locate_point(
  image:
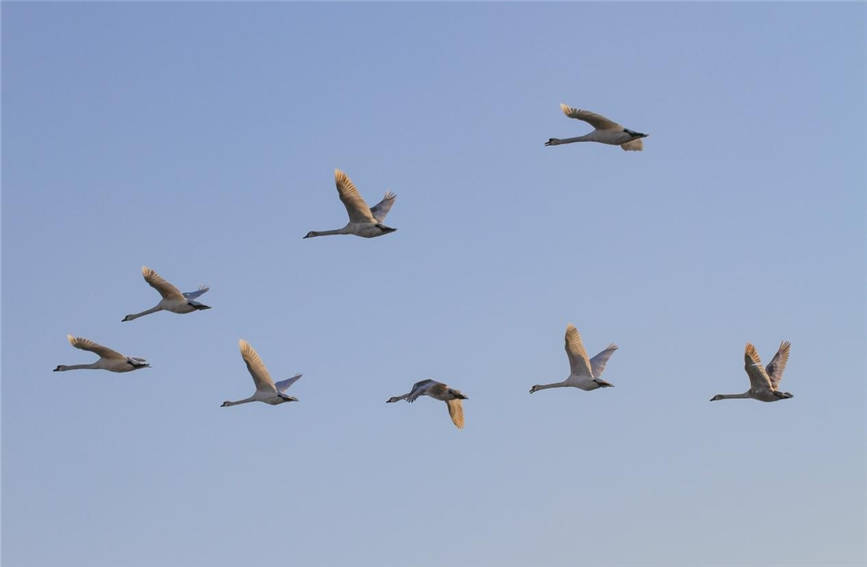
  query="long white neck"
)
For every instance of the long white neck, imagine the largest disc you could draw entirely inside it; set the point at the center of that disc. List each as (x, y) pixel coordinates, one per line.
(732, 396)
(63, 367)
(586, 138)
(137, 315)
(244, 401)
(312, 233)
(393, 399)
(538, 387)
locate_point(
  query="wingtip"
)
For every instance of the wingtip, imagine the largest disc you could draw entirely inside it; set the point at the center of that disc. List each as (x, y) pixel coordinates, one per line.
(70, 338)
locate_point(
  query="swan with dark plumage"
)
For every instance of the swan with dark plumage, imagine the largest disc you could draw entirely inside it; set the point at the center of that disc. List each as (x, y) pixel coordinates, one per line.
(363, 220)
(584, 371)
(267, 390)
(606, 131)
(108, 359)
(437, 391)
(173, 300)
(764, 382)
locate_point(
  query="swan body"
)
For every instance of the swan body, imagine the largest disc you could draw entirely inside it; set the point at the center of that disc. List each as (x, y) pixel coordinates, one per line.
(606, 131)
(363, 220)
(173, 300)
(437, 391)
(584, 371)
(764, 382)
(108, 359)
(267, 390)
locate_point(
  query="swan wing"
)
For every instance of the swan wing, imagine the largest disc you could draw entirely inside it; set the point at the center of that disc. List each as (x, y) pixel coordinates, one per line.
(87, 344)
(257, 369)
(355, 206)
(167, 290)
(578, 360)
(635, 145)
(456, 412)
(283, 385)
(381, 208)
(598, 362)
(759, 380)
(778, 364)
(596, 120)
(197, 293)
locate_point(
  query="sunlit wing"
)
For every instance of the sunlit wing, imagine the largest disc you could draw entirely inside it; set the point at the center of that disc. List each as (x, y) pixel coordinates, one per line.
(578, 360)
(635, 145)
(256, 367)
(456, 411)
(167, 290)
(87, 344)
(355, 206)
(596, 120)
(759, 380)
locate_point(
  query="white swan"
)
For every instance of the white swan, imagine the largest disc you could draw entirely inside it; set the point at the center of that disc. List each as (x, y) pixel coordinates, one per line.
(606, 131)
(438, 391)
(763, 381)
(173, 300)
(108, 359)
(363, 221)
(584, 372)
(266, 389)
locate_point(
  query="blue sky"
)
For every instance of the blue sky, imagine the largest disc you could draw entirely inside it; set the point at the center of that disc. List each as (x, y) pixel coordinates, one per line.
(200, 140)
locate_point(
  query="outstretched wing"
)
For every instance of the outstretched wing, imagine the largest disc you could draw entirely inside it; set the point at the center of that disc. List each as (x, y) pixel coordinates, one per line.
(598, 362)
(257, 368)
(778, 364)
(355, 206)
(578, 360)
(456, 411)
(87, 344)
(283, 385)
(635, 145)
(167, 290)
(759, 380)
(381, 208)
(420, 388)
(596, 120)
(197, 293)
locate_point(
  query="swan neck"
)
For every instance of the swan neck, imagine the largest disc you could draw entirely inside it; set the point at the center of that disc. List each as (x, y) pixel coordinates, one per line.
(78, 366)
(143, 313)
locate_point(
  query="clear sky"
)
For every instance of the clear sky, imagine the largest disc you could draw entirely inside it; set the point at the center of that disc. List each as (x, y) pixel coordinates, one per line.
(201, 139)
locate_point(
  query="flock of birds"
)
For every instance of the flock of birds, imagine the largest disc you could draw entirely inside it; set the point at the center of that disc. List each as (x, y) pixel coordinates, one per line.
(365, 221)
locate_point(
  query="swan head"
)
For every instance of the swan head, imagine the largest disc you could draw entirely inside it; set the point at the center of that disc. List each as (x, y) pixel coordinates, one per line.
(59, 368)
(310, 234)
(634, 134)
(457, 395)
(225, 404)
(717, 397)
(126, 318)
(392, 399)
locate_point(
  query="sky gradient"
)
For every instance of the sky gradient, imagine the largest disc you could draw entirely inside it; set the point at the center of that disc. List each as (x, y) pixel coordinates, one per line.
(201, 139)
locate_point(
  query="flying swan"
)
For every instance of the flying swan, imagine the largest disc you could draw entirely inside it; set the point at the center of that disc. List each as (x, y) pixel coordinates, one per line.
(584, 373)
(438, 391)
(266, 389)
(108, 359)
(606, 131)
(363, 221)
(173, 300)
(764, 382)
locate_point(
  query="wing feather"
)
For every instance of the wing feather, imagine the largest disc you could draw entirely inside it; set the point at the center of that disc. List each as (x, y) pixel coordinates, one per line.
(596, 120)
(355, 206)
(598, 362)
(87, 344)
(167, 290)
(759, 380)
(381, 208)
(257, 369)
(456, 411)
(283, 385)
(778, 364)
(578, 360)
(197, 293)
